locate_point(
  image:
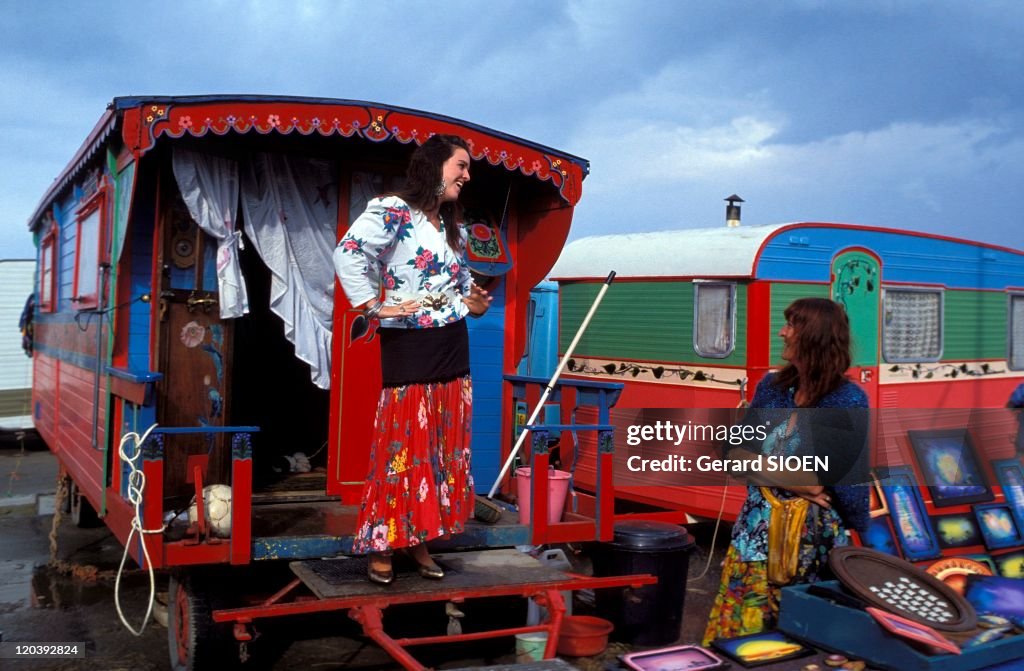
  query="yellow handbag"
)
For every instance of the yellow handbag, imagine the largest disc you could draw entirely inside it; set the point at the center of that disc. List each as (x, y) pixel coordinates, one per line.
(785, 529)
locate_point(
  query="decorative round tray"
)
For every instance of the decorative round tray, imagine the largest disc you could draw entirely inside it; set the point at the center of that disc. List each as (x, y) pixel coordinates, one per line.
(953, 571)
(899, 587)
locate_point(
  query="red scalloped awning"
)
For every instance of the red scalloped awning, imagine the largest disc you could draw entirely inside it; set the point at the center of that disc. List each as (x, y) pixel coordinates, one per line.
(174, 118)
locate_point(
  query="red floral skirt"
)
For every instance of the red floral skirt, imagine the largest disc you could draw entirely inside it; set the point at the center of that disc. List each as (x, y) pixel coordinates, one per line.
(419, 486)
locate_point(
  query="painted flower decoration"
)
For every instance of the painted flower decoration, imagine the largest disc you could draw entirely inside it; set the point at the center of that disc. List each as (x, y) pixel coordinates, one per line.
(273, 120)
(185, 122)
(480, 231)
(192, 334)
(425, 321)
(424, 488)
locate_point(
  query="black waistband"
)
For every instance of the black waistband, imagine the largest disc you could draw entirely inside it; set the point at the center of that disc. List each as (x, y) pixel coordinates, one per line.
(420, 356)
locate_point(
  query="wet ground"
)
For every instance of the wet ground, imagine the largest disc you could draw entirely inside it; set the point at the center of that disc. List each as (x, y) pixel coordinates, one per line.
(38, 603)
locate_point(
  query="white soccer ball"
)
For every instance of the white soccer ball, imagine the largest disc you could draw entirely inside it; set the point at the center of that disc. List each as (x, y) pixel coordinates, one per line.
(217, 503)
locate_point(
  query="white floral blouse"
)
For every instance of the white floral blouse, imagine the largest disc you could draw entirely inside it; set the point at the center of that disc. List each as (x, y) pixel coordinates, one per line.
(394, 247)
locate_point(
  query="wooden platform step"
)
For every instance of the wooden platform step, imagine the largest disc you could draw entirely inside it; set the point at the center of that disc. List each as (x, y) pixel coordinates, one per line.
(464, 571)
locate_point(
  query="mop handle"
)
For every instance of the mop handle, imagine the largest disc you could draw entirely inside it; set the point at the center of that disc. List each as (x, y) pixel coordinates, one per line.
(551, 384)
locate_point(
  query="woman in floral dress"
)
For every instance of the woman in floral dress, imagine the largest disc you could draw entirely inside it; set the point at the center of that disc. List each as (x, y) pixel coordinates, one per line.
(808, 408)
(403, 263)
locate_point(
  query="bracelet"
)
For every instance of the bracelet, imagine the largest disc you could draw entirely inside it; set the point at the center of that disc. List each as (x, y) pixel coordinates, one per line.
(374, 310)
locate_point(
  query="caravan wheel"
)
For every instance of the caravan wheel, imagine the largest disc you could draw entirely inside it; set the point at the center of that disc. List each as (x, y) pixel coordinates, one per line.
(196, 643)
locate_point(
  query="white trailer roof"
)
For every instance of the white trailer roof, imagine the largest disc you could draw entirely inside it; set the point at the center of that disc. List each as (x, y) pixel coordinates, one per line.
(693, 252)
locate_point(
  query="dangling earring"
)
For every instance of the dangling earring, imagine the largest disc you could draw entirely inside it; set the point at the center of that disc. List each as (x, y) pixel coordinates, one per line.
(439, 191)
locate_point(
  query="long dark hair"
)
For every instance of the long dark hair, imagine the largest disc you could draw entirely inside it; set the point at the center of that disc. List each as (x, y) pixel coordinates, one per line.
(821, 346)
(423, 175)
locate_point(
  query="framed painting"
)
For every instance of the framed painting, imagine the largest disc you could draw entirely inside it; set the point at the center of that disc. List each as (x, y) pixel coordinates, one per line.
(1010, 474)
(995, 520)
(914, 631)
(957, 531)
(876, 499)
(688, 657)
(1010, 565)
(909, 517)
(766, 647)
(950, 467)
(879, 536)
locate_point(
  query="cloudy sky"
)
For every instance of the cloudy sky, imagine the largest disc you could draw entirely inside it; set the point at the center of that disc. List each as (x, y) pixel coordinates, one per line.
(896, 113)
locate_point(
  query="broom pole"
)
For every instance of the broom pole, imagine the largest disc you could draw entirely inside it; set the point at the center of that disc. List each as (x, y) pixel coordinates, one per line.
(551, 384)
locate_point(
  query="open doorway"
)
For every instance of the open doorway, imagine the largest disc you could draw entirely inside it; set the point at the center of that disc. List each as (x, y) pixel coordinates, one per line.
(271, 389)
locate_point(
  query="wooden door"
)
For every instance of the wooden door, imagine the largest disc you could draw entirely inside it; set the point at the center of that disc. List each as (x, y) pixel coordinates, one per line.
(857, 284)
(194, 350)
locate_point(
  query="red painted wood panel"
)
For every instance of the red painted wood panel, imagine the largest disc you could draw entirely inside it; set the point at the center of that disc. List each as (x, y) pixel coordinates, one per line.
(44, 397)
(65, 396)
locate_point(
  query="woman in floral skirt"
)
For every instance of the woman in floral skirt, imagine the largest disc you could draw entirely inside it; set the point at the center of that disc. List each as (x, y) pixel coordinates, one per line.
(403, 263)
(789, 522)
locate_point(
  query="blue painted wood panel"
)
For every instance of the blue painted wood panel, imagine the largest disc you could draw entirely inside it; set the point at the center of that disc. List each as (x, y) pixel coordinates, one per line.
(804, 254)
(486, 354)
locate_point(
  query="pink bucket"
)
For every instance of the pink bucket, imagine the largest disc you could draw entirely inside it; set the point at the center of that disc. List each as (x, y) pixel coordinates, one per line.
(558, 487)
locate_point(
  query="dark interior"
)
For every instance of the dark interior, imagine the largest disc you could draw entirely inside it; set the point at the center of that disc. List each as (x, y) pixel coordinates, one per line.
(271, 388)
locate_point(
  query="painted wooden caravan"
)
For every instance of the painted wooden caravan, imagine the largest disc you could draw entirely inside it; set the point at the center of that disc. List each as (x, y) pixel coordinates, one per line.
(153, 308)
(694, 317)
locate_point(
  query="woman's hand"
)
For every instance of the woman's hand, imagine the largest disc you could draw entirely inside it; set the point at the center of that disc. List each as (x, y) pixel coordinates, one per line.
(404, 309)
(478, 300)
(821, 497)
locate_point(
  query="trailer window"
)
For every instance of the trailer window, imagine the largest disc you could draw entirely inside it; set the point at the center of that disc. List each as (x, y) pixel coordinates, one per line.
(88, 238)
(1016, 346)
(714, 319)
(912, 328)
(47, 254)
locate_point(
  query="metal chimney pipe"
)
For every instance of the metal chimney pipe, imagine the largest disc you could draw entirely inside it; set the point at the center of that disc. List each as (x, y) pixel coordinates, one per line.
(732, 211)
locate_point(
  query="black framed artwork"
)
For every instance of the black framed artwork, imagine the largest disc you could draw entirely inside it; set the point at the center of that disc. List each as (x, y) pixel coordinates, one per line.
(909, 516)
(1010, 474)
(957, 530)
(879, 536)
(1010, 565)
(950, 467)
(998, 528)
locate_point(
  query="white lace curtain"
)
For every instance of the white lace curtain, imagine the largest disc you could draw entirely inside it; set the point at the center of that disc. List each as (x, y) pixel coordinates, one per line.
(291, 214)
(291, 217)
(209, 187)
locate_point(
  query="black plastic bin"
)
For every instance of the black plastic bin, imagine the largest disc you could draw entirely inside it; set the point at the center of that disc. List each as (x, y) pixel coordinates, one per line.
(653, 614)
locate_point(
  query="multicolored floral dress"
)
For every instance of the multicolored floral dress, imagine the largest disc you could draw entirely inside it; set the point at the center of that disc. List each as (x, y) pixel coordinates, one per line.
(419, 484)
(747, 602)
